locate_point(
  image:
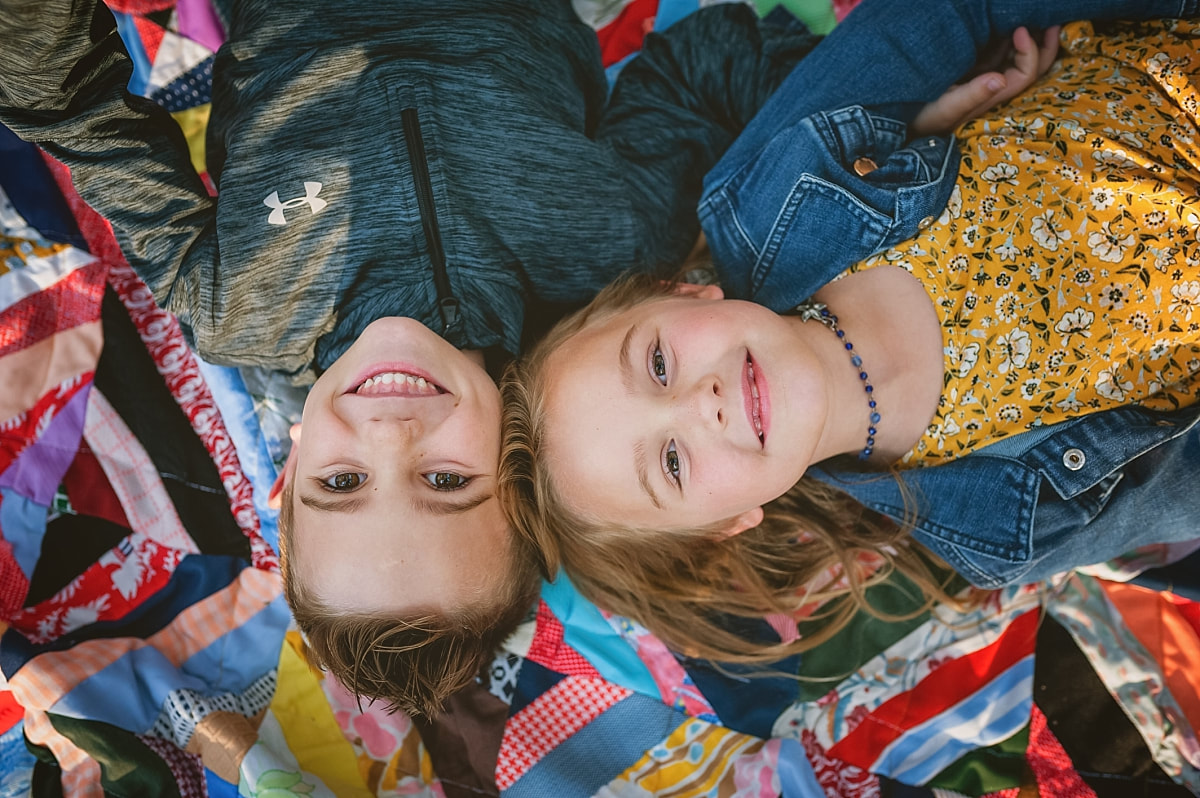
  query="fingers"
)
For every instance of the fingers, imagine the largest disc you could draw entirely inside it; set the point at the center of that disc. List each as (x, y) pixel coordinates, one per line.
(960, 103)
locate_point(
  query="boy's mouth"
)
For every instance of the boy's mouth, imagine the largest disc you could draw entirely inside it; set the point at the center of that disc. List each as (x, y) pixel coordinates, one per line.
(754, 409)
(397, 383)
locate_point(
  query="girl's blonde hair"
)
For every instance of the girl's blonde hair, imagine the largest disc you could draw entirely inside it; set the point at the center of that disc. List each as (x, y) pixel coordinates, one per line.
(686, 585)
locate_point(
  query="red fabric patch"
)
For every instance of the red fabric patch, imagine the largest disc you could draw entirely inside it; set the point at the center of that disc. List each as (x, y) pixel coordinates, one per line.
(89, 490)
(549, 649)
(837, 778)
(14, 586)
(1050, 763)
(139, 6)
(10, 711)
(150, 34)
(73, 300)
(623, 36)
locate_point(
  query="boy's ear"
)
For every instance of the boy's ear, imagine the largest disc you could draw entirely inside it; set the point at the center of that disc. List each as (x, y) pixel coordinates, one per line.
(740, 523)
(275, 497)
(699, 291)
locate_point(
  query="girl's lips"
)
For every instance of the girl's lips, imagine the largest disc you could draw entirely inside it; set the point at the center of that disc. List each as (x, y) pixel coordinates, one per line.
(754, 399)
(390, 385)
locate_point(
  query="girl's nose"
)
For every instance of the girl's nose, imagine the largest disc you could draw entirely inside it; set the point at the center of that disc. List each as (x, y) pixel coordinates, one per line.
(708, 402)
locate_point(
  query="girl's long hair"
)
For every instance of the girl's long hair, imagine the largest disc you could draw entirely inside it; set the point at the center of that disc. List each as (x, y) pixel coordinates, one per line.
(815, 553)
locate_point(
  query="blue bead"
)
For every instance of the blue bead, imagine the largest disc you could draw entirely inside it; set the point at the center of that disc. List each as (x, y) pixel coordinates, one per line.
(870, 389)
(849, 346)
(871, 403)
(871, 441)
(841, 333)
(875, 420)
(871, 430)
(824, 311)
(865, 453)
(856, 361)
(862, 375)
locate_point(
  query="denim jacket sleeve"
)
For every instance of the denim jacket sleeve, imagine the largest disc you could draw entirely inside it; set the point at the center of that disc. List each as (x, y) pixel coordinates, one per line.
(1054, 498)
(824, 193)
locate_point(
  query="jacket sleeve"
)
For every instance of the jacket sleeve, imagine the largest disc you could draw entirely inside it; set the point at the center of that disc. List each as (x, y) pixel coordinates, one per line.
(63, 73)
(679, 104)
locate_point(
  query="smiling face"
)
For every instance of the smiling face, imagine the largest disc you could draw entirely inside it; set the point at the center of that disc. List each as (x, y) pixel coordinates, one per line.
(393, 477)
(683, 411)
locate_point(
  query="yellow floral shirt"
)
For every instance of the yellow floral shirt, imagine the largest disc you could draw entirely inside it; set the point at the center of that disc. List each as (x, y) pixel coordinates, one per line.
(1066, 268)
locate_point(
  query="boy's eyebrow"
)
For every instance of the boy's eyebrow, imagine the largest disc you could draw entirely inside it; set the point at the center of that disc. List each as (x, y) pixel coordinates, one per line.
(348, 505)
(639, 464)
(429, 507)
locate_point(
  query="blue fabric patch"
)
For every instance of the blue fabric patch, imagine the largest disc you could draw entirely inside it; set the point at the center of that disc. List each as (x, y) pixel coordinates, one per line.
(24, 525)
(140, 79)
(31, 189)
(744, 702)
(16, 764)
(795, 772)
(533, 680)
(189, 90)
(600, 751)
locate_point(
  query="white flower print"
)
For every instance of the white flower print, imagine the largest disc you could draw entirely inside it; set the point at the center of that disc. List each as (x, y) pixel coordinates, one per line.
(1000, 173)
(1102, 198)
(1029, 388)
(1007, 251)
(1109, 385)
(948, 427)
(970, 235)
(1007, 306)
(953, 207)
(1045, 233)
(1140, 322)
(1075, 322)
(1014, 349)
(1154, 219)
(1068, 173)
(963, 359)
(1160, 348)
(1117, 159)
(1070, 404)
(1185, 296)
(1026, 156)
(1163, 258)
(1113, 297)
(1009, 413)
(1084, 278)
(959, 263)
(1109, 246)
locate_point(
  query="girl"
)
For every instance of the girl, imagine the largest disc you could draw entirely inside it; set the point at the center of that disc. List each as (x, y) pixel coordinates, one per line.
(649, 436)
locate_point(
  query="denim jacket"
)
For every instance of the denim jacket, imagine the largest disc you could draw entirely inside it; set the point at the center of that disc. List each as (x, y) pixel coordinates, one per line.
(839, 187)
(1050, 499)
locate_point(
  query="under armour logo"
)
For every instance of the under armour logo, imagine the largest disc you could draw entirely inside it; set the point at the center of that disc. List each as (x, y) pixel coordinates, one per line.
(311, 190)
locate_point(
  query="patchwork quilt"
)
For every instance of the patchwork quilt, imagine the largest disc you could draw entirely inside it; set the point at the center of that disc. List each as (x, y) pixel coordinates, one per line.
(146, 648)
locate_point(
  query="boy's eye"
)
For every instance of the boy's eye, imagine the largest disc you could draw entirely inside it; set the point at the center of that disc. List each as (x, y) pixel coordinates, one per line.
(671, 462)
(447, 480)
(345, 481)
(658, 365)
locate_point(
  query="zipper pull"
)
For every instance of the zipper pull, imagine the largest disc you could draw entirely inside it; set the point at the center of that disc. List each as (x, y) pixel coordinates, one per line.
(449, 309)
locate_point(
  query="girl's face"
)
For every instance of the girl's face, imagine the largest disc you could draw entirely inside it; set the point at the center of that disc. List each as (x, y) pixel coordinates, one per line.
(682, 412)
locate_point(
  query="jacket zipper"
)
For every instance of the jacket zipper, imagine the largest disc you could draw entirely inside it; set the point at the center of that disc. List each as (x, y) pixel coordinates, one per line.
(447, 303)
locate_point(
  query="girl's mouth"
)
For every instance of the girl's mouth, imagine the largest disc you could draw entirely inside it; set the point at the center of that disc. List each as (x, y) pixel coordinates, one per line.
(754, 404)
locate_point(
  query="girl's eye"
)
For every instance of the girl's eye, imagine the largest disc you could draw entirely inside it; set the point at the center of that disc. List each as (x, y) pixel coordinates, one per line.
(658, 365)
(671, 461)
(345, 481)
(447, 480)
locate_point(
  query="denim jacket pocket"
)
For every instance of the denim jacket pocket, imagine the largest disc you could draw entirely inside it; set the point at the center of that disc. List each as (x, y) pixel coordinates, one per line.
(823, 194)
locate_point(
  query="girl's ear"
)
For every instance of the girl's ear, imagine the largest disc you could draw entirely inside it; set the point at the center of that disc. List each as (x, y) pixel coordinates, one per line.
(699, 291)
(274, 498)
(740, 523)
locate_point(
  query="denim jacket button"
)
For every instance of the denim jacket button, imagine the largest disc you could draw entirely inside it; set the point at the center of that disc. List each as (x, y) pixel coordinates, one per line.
(1074, 459)
(864, 166)
(924, 223)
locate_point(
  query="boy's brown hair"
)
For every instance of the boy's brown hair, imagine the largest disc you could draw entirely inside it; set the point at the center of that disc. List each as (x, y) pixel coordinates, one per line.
(412, 663)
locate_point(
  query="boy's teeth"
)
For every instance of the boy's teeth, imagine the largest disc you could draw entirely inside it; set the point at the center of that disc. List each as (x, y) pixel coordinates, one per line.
(399, 382)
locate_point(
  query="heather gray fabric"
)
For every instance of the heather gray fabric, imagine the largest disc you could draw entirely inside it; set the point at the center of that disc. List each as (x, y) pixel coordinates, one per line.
(324, 121)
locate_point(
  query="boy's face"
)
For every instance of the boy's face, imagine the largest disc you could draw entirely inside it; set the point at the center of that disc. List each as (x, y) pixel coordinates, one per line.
(394, 502)
(681, 412)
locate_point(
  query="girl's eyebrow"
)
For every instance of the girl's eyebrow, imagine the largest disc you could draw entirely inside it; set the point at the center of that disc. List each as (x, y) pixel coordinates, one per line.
(347, 505)
(624, 364)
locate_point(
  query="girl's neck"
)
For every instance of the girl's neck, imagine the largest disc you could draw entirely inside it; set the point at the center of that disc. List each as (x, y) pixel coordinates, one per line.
(888, 316)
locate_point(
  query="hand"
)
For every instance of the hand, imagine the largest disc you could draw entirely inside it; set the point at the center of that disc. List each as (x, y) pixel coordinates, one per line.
(965, 101)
